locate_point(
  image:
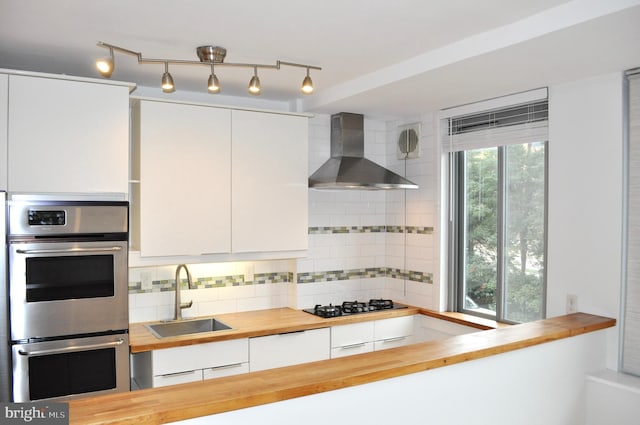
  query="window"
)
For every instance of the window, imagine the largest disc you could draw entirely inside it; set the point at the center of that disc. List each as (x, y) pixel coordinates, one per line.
(498, 221)
(630, 356)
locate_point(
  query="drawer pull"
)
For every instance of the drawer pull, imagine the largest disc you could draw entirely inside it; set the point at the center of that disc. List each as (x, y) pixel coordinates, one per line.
(227, 366)
(399, 338)
(171, 375)
(358, 345)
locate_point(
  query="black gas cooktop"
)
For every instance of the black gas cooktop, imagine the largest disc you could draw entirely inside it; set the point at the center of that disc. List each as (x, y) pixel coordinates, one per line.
(353, 307)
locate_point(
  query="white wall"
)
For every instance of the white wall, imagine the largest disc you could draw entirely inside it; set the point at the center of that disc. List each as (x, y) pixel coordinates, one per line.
(412, 209)
(585, 198)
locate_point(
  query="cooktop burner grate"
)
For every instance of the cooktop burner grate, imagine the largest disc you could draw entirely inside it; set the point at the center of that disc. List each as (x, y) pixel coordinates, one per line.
(352, 307)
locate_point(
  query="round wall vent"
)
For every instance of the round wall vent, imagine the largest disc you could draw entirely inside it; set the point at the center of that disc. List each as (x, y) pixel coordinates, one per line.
(408, 141)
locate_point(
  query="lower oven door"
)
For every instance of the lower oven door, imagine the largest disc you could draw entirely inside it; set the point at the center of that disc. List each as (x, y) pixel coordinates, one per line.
(71, 368)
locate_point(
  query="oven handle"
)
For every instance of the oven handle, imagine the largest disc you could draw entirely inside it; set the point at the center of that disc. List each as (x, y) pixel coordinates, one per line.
(68, 250)
(120, 341)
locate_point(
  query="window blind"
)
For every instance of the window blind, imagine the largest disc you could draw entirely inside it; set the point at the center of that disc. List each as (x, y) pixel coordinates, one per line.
(516, 124)
(631, 314)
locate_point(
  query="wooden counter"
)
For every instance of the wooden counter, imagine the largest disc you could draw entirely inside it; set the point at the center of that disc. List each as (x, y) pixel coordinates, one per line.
(168, 404)
(254, 323)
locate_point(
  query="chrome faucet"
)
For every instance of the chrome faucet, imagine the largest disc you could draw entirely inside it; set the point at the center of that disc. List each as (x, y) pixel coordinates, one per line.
(179, 305)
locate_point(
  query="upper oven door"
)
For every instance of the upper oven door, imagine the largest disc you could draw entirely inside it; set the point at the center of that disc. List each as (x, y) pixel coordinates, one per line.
(67, 288)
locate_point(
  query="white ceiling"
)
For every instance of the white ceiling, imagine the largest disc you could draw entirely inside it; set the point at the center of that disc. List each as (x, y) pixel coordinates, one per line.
(387, 59)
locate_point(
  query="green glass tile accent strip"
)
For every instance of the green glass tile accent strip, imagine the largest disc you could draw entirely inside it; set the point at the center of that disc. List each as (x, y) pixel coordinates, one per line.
(420, 230)
(368, 273)
(345, 229)
(279, 277)
(333, 275)
(395, 229)
(199, 283)
(217, 282)
(369, 229)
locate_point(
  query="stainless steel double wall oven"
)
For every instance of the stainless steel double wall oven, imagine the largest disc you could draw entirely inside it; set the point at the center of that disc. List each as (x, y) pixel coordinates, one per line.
(68, 298)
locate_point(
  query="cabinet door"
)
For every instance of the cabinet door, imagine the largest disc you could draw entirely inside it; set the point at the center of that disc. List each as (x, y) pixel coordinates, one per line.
(185, 179)
(267, 352)
(269, 182)
(67, 136)
(4, 96)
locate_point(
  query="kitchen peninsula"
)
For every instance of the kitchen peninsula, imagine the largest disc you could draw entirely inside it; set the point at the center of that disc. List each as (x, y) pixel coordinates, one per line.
(229, 394)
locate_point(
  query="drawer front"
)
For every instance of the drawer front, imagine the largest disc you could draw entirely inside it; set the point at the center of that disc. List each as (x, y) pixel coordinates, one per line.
(227, 370)
(200, 356)
(267, 352)
(349, 350)
(177, 378)
(348, 335)
(391, 343)
(393, 328)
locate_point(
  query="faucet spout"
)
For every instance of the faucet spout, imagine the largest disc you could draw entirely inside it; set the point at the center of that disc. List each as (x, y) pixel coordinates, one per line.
(179, 305)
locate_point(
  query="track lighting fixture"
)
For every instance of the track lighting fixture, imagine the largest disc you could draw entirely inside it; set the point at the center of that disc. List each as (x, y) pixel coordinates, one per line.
(307, 84)
(105, 65)
(208, 55)
(254, 84)
(213, 85)
(167, 80)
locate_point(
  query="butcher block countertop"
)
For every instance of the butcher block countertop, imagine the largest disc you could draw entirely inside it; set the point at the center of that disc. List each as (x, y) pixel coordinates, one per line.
(254, 323)
(180, 402)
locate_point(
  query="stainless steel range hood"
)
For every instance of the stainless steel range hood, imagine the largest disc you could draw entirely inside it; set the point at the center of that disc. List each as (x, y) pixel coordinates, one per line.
(348, 168)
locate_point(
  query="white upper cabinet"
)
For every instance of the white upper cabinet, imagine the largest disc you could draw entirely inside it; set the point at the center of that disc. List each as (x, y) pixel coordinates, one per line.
(185, 178)
(269, 175)
(4, 95)
(67, 136)
(220, 181)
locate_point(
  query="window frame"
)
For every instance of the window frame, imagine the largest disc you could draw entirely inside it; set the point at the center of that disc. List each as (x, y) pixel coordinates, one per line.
(457, 243)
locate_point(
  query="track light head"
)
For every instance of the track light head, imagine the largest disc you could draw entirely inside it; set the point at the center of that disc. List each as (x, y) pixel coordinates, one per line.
(254, 84)
(307, 84)
(105, 65)
(213, 85)
(167, 80)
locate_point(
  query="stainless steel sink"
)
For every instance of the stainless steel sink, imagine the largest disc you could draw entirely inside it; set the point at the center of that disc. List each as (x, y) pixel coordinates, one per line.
(186, 327)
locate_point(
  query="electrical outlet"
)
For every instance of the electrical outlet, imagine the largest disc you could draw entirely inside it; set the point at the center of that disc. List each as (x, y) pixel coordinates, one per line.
(146, 281)
(572, 303)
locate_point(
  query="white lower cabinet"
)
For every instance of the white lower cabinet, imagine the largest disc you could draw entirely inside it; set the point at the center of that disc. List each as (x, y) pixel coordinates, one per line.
(364, 337)
(191, 363)
(286, 349)
(394, 332)
(355, 338)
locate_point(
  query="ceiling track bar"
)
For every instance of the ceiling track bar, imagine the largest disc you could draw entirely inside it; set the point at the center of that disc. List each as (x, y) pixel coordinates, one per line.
(143, 60)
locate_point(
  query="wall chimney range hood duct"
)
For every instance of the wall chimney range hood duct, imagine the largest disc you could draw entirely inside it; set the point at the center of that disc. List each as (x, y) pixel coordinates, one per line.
(348, 168)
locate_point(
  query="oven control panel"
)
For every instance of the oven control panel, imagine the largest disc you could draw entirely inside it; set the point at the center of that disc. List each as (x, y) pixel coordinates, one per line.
(47, 218)
(33, 218)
